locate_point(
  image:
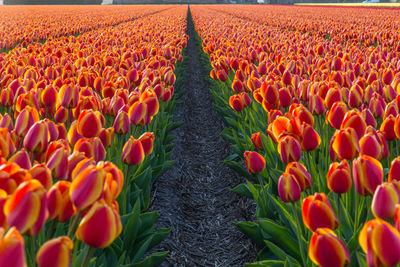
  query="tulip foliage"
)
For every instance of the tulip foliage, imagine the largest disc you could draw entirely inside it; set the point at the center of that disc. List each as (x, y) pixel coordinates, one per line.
(310, 99)
(84, 133)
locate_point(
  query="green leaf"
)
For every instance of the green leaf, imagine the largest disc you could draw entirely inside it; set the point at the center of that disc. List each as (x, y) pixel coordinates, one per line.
(236, 166)
(280, 253)
(152, 261)
(132, 227)
(266, 263)
(243, 190)
(280, 235)
(253, 231)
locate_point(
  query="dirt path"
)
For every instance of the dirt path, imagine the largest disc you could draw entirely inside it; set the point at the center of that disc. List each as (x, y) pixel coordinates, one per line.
(194, 196)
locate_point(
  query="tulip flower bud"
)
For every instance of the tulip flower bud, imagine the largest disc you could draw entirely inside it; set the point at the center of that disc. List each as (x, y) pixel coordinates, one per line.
(394, 172)
(55, 252)
(58, 163)
(26, 208)
(385, 198)
(59, 202)
(132, 152)
(236, 103)
(289, 149)
(73, 135)
(310, 139)
(255, 163)
(7, 147)
(316, 105)
(87, 187)
(326, 249)
(43, 174)
(88, 124)
(317, 212)
(48, 96)
(367, 174)
(89, 231)
(353, 119)
(3, 218)
(345, 143)
(257, 140)
(122, 124)
(137, 113)
(12, 248)
(6, 122)
(22, 159)
(36, 140)
(107, 136)
(368, 117)
(388, 128)
(91, 147)
(69, 95)
(147, 140)
(288, 188)
(73, 160)
(339, 177)
(300, 173)
(336, 114)
(113, 183)
(381, 242)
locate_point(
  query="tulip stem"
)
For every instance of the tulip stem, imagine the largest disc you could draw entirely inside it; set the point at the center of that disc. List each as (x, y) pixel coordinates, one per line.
(51, 229)
(338, 196)
(72, 227)
(32, 250)
(88, 256)
(299, 239)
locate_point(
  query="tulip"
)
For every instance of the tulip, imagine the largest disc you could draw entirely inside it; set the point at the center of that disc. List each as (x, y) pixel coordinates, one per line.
(394, 172)
(88, 124)
(12, 248)
(25, 119)
(300, 173)
(257, 140)
(385, 198)
(107, 136)
(7, 147)
(327, 250)
(353, 119)
(317, 212)
(26, 208)
(69, 95)
(381, 242)
(345, 143)
(132, 152)
(73, 135)
(48, 96)
(388, 128)
(289, 149)
(367, 174)
(3, 218)
(121, 124)
(55, 253)
(91, 147)
(255, 163)
(236, 103)
(288, 188)
(99, 235)
(339, 177)
(58, 163)
(137, 113)
(36, 140)
(147, 141)
(113, 183)
(336, 114)
(310, 139)
(316, 105)
(59, 202)
(370, 146)
(41, 173)
(87, 187)
(22, 159)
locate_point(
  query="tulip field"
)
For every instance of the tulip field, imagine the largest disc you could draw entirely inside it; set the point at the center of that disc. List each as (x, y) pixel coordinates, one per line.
(309, 97)
(310, 102)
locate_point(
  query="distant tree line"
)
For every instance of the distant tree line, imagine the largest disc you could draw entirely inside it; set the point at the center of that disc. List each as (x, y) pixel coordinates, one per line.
(52, 2)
